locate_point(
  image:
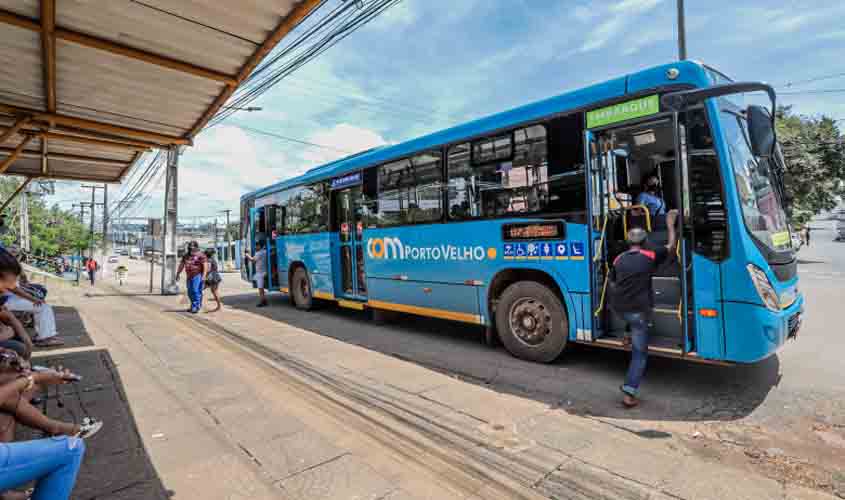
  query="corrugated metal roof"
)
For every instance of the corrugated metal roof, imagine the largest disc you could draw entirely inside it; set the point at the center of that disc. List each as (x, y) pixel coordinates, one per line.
(124, 75)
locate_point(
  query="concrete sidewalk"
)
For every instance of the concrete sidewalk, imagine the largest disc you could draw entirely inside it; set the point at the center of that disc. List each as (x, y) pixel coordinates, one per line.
(313, 417)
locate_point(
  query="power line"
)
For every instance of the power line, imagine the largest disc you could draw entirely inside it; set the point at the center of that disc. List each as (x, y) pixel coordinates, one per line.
(818, 91)
(291, 139)
(814, 80)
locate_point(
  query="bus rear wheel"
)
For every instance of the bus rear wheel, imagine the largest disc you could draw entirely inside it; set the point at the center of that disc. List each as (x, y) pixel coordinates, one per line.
(300, 289)
(532, 322)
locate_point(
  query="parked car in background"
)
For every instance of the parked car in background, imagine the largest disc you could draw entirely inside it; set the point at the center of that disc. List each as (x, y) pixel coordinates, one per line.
(114, 259)
(840, 229)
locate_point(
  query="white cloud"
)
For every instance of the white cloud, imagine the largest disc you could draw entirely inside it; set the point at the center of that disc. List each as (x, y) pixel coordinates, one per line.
(617, 18)
(344, 137)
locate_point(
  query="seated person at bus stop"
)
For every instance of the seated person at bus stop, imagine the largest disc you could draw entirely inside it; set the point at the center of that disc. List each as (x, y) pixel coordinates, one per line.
(650, 197)
(20, 299)
(632, 298)
(195, 265)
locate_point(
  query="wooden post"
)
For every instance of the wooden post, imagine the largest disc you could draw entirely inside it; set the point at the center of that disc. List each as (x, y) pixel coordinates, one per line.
(14, 156)
(18, 191)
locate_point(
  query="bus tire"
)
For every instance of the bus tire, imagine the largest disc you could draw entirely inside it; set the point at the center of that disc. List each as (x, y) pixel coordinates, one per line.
(532, 322)
(300, 290)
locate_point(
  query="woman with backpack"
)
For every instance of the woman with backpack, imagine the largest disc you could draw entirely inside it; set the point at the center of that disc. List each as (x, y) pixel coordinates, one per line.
(213, 280)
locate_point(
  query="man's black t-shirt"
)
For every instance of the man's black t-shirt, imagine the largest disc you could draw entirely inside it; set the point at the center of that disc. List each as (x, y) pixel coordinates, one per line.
(630, 287)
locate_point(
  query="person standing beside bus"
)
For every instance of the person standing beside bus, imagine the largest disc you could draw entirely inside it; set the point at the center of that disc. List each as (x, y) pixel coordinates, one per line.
(632, 298)
(195, 265)
(260, 261)
(92, 266)
(214, 278)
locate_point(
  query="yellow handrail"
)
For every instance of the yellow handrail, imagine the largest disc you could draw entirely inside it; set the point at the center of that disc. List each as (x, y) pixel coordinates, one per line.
(625, 217)
(601, 241)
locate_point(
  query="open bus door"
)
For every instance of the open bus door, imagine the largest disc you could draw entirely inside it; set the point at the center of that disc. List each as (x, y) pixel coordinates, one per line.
(620, 156)
(350, 281)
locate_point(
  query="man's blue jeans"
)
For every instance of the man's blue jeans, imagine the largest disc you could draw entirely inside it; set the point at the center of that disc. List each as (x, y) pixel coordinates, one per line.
(52, 463)
(194, 285)
(638, 322)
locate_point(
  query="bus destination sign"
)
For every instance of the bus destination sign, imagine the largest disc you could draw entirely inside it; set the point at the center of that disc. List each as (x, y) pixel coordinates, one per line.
(628, 110)
(533, 231)
(347, 180)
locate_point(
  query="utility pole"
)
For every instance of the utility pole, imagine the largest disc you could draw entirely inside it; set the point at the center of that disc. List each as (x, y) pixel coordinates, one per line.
(82, 205)
(93, 212)
(24, 215)
(106, 238)
(216, 239)
(229, 251)
(682, 32)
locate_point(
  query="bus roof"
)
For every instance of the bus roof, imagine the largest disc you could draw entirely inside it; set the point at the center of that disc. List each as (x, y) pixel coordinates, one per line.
(690, 73)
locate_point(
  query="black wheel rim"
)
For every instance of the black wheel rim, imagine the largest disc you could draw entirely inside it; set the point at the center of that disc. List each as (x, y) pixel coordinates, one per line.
(304, 289)
(530, 321)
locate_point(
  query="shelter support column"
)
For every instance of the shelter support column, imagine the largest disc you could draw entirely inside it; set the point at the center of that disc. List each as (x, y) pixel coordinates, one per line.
(169, 285)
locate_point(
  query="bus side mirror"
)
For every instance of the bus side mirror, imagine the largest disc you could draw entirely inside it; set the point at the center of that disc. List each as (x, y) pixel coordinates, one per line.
(760, 130)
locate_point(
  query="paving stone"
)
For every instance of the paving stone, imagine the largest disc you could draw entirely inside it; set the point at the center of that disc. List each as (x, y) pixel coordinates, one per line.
(485, 404)
(556, 430)
(579, 481)
(345, 478)
(285, 456)
(800, 493)
(249, 422)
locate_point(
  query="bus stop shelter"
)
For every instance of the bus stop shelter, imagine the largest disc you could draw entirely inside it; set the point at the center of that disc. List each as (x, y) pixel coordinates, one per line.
(86, 87)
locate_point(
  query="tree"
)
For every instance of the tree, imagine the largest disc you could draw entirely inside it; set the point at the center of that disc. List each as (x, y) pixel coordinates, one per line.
(53, 231)
(814, 150)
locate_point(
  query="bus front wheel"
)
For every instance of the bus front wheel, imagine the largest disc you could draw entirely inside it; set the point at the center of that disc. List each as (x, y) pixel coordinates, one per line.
(300, 288)
(531, 322)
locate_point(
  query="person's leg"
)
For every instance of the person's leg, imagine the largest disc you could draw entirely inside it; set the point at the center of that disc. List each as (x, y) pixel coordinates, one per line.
(195, 292)
(263, 297)
(52, 462)
(216, 297)
(30, 416)
(45, 322)
(7, 427)
(639, 353)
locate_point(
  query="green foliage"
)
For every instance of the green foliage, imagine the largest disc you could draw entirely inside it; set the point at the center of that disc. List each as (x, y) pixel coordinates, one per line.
(52, 231)
(814, 150)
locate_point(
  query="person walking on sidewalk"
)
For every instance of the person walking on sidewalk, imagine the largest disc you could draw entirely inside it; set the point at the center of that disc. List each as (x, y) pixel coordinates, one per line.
(632, 298)
(195, 266)
(214, 278)
(92, 266)
(260, 261)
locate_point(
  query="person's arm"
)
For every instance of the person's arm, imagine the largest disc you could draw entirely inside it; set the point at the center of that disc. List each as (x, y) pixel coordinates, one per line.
(24, 295)
(249, 257)
(671, 218)
(10, 319)
(205, 268)
(181, 268)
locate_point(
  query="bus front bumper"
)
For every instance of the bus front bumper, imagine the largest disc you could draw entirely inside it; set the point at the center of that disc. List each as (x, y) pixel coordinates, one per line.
(753, 333)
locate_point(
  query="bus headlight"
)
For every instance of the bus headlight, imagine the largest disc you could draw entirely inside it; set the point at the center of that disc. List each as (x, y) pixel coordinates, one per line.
(764, 288)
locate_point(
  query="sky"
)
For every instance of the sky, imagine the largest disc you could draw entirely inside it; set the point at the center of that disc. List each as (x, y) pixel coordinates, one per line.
(426, 65)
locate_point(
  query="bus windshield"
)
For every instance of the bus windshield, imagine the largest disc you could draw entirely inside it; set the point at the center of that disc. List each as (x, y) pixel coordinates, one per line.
(757, 183)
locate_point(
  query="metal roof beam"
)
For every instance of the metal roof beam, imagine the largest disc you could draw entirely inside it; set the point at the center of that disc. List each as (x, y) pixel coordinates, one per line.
(48, 52)
(85, 124)
(10, 153)
(9, 132)
(94, 142)
(287, 24)
(14, 153)
(7, 17)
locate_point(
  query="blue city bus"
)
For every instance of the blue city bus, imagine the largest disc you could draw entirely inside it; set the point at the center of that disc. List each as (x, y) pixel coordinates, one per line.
(512, 222)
